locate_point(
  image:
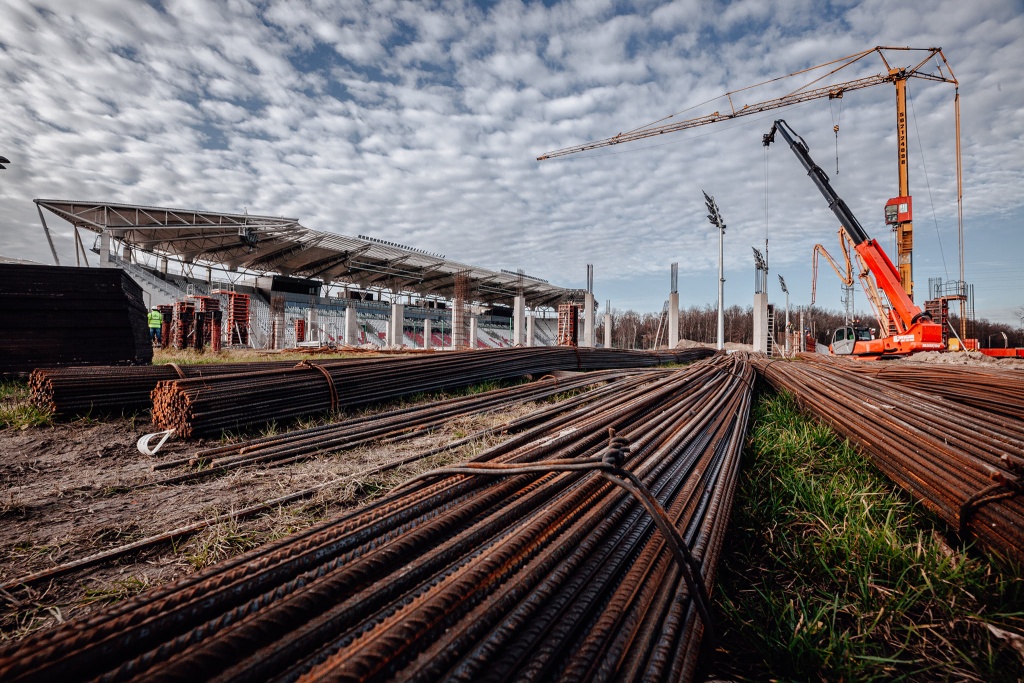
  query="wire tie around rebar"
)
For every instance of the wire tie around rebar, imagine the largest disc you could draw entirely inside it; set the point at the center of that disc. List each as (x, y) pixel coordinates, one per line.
(749, 381)
(330, 382)
(1003, 488)
(609, 465)
(613, 458)
(177, 369)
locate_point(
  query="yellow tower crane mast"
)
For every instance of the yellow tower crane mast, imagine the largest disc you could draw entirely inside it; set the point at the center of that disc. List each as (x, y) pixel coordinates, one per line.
(899, 210)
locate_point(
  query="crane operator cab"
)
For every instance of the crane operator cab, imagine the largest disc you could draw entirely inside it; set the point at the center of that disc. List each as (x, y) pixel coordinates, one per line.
(845, 338)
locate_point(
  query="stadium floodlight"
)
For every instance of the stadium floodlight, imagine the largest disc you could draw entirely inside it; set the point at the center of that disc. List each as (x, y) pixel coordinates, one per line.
(716, 220)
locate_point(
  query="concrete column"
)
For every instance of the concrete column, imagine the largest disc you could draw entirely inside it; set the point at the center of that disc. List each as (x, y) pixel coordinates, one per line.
(761, 322)
(426, 333)
(608, 330)
(673, 319)
(396, 325)
(589, 322)
(529, 329)
(518, 320)
(803, 337)
(104, 248)
(163, 265)
(126, 254)
(209, 275)
(350, 325)
(472, 331)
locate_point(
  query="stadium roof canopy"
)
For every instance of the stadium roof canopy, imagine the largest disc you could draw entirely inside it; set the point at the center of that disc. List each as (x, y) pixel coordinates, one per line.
(273, 244)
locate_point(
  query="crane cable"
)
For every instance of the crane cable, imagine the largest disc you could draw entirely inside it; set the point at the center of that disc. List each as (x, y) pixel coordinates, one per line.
(835, 124)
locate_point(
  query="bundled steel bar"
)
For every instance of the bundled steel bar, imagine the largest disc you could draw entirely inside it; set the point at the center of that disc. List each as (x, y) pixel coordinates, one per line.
(211, 404)
(993, 389)
(543, 576)
(395, 425)
(76, 391)
(963, 463)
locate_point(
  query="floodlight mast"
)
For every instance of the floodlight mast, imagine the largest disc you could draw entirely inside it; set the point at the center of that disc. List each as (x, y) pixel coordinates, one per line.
(785, 290)
(716, 220)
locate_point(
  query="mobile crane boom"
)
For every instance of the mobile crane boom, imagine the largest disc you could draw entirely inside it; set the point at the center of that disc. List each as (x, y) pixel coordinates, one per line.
(914, 327)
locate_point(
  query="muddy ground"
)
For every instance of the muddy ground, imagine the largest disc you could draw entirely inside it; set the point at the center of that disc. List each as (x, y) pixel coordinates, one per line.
(71, 490)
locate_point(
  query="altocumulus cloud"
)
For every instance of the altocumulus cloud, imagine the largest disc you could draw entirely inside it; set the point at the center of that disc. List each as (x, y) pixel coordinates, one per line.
(420, 123)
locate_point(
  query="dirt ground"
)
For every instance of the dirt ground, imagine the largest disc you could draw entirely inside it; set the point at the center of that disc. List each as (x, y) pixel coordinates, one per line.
(72, 490)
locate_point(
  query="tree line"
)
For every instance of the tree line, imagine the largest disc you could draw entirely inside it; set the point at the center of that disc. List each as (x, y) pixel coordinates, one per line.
(633, 330)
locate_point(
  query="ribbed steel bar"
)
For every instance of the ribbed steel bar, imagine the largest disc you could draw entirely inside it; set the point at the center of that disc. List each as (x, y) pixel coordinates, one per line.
(542, 576)
(76, 391)
(993, 389)
(390, 426)
(212, 404)
(964, 463)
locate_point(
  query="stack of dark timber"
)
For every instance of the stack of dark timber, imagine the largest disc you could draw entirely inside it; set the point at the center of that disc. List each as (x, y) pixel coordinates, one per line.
(56, 316)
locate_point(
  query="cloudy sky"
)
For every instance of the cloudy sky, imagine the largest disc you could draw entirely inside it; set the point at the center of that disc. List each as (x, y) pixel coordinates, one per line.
(420, 122)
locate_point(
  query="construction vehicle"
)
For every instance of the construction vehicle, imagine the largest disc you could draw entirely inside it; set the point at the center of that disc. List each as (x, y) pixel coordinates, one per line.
(913, 329)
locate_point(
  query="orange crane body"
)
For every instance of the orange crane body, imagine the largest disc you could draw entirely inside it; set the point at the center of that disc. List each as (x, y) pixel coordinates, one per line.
(915, 330)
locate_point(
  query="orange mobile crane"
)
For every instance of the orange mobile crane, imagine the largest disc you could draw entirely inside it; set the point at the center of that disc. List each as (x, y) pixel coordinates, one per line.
(915, 330)
(899, 209)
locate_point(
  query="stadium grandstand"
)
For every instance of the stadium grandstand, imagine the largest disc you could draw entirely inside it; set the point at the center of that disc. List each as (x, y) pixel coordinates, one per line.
(301, 282)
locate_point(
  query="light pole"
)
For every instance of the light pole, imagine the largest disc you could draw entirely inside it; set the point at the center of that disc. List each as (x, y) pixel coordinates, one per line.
(784, 289)
(716, 220)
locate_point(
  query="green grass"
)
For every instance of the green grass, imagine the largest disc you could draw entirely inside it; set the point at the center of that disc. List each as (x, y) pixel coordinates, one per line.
(16, 410)
(115, 591)
(830, 573)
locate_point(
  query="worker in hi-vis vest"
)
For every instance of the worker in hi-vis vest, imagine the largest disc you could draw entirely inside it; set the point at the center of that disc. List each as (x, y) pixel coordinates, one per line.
(156, 319)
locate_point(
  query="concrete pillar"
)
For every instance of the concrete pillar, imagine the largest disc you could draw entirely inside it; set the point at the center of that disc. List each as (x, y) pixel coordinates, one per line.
(104, 248)
(673, 319)
(529, 329)
(518, 320)
(396, 337)
(163, 265)
(803, 336)
(589, 321)
(761, 322)
(608, 330)
(426, 333)
(209, 275)
(473, 335)
(126, 254)
(350, 325)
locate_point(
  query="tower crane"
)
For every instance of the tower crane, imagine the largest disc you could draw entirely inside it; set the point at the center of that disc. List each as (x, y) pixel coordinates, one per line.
(899, 209)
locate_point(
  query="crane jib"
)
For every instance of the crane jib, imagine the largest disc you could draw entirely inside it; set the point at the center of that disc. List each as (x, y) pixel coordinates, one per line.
(820, 179)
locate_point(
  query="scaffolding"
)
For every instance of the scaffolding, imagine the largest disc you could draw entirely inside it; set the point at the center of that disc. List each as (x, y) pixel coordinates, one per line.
(460, 311)
(568, 324)
(238, 317)
(940, 293)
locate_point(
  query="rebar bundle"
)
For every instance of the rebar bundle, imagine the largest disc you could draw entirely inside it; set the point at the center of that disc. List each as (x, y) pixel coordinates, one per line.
(963, 463)
(211, 404)
(405, 423)
(54, 315)
(543, 575)
(77, 391)
(993, 389)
